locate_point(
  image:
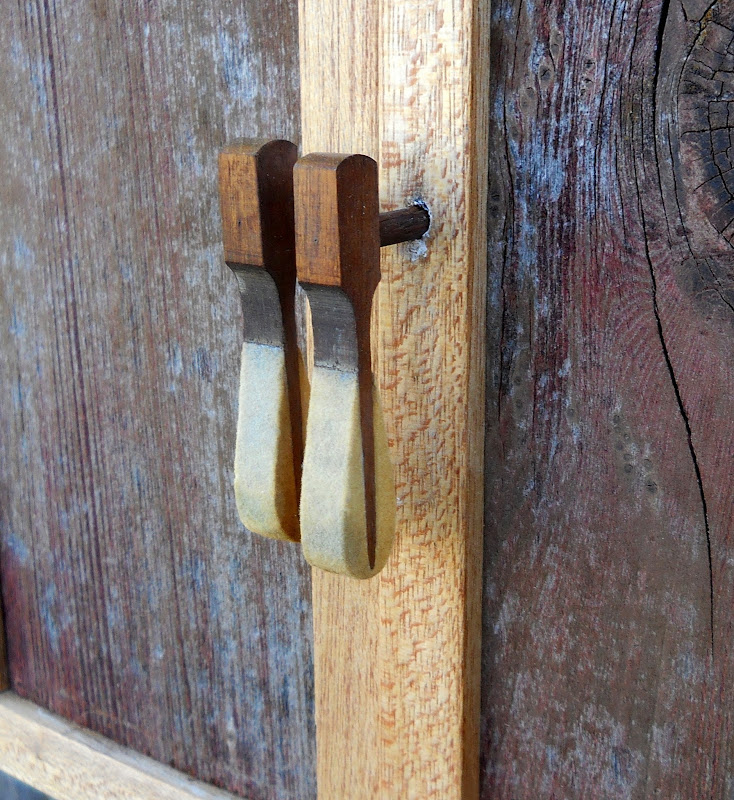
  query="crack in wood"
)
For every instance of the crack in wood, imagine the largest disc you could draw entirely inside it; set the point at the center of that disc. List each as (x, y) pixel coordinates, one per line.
(664, 16)
(686, 422)
(635, 488)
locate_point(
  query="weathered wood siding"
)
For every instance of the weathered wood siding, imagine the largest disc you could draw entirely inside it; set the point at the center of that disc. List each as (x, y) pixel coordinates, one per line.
(135, 603)
(607, 671)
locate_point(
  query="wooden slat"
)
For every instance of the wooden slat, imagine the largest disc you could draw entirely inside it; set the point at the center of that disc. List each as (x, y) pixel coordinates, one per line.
(67, 763)
(136, 603)
(397, 657)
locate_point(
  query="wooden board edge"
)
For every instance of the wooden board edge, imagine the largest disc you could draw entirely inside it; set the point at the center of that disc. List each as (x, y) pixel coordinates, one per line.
(474, 490)
(4, 671)
(67, 762)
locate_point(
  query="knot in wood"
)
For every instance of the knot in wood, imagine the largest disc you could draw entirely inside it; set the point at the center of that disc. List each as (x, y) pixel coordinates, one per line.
(706, 121)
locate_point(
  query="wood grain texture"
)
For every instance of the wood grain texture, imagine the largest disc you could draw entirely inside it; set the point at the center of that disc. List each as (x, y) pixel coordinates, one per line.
(397, 688)
(609, 552)
(135, 602)
(68, 763)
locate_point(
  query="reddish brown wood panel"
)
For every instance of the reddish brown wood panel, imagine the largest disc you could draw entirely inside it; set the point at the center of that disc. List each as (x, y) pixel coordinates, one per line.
(606, 673)
(135, 602)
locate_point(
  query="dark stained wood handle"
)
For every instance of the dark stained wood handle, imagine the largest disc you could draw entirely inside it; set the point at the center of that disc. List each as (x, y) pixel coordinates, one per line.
(338, 246)
(256, 196)
(323, 213)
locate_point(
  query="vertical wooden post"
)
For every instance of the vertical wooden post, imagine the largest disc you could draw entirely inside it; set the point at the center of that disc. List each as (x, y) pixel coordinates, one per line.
(397, 657)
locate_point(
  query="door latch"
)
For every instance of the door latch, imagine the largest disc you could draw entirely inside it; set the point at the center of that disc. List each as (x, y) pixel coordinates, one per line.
(311, 455)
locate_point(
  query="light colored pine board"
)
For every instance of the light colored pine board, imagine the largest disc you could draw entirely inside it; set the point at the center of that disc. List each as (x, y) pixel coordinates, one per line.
(69, 763)
(397, 657)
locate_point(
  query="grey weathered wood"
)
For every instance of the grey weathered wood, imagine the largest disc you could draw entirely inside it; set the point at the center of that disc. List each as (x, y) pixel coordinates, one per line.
(608, 647)
(135, 603)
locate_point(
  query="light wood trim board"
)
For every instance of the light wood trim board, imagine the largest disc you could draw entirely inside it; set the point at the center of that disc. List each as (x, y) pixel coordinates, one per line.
(69, 763)
(397, 658)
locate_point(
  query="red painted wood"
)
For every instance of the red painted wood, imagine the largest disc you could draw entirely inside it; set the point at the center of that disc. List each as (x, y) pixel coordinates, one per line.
(135, 603)
(611, 412)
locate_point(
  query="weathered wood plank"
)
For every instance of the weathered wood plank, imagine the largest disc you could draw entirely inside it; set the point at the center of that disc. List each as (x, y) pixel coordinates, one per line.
(68, 763)
(396, 658)
(610, 406)
(136, 604)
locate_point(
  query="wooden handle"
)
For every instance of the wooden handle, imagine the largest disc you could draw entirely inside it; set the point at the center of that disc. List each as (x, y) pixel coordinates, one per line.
(256, 193)
(347, 499)
(256, 197)
(338, 223)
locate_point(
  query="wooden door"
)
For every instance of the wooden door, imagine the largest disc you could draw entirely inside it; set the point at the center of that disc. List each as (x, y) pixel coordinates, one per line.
(607, 608)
